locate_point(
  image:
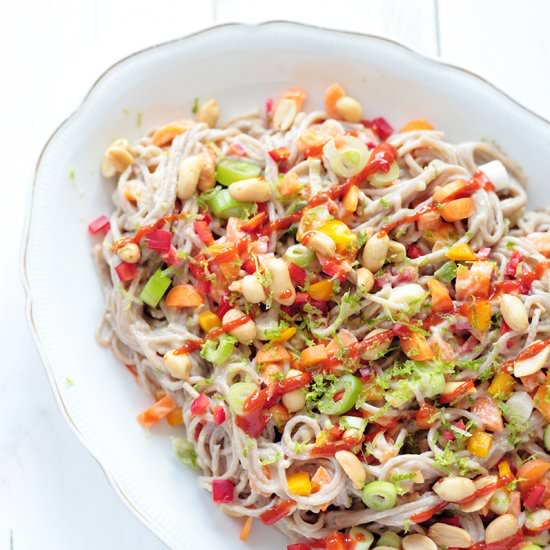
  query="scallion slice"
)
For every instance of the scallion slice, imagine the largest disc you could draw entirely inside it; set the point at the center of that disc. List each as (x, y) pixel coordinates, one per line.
(299, 255)
(347, 155)
(218, 351)
(229, 171)
(155, 288)
(224, 206)
(379, 495)
(238, 393)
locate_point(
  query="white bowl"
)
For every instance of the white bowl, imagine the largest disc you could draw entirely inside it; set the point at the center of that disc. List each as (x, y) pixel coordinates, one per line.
(240, 65)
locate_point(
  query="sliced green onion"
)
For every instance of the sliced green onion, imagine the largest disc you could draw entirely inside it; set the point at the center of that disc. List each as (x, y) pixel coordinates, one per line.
(354, 423)
(379, 495)
(446, 273)
(389, 538)
(299, 255)
(346, 390)
(224, 206)
(531, 547)
(384, 179)
(347, 155)
(229, 171)
(547, 438)
(218, 351)
(155, 288)
(361, 538)
(238, 393)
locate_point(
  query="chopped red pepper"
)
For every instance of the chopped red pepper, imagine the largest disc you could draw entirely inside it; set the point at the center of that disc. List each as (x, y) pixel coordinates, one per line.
(254, 423)
(278, 511)
(280, 154)
(269, 107)
(254, 222)
(413, 251)
(334, 268)
(299, 546)
(203, 232)
(381, 127)
(219, 415)
(198, 271)
(297, 274)
(337, 541)
(534, 495)
(223, 491)
(249, 266)
(126, 272)
(200, 405)
(159, 240)
(426, 416)
(223, 307)
(512, 265)
(99, 225)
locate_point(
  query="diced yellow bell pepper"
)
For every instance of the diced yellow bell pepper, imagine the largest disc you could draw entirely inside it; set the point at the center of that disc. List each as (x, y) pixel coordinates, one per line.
(286, 335)
(504, 470)
(502, 385)
(461, 252)
(209, 320)
(175, 418)
(322, 290)
(480, 444)
(299, 483)
(479, 315)
(341, 234)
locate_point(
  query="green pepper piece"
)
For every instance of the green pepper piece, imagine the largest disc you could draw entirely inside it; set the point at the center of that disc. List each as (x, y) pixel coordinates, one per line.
(229, 171)
(155, 288)
(350, 386)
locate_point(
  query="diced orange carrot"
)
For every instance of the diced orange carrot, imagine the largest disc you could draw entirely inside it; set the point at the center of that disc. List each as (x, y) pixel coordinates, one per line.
(183, 296)
(416, 347)
(417, 124)
(486, 409)
(531, 472)
(320, 478)
(480, 279)
(429, 221)
(296, 94)
(272, 354)
(333, 93)
(459, 209)
(247, 526)
(442, 194)
(314, 355)
(157, 411)
(441, 300)
(175, 418)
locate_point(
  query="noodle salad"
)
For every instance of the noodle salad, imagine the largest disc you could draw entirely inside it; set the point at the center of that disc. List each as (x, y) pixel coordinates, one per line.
(348, 328)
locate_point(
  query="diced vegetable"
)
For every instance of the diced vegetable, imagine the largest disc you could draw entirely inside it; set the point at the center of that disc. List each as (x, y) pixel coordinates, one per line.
(333, 93)
(200, 405)
(321, 290)
(502, 385)
(175, 418)
(314, 355)
(478, 314)
(219, 415)
(461, 252)
(238, 394)
(299, 255)
(381, 127)
(383, 179)
(459, 209)
(247, 526)
(344, 238)
(441, 300)
(416, 346)
(531, 472)
(159, 240)
(155, 288)
(379, 495)
(126, 271)
(299, 483)
(347, 155)
(542, 399)
(480, 443)
(297, 274)
(223, 491)
(272, 354)
(224, 206)
(203, 231)
(533, 496)
(342, 395)
(156, 412)
(229, 171)
(183, 296)
(361, 538)
(389, 538)
(99, 225)
(426, 416)
(285, 335)
(209, 320)
(489, 413)
(218, 351)
(416, 124)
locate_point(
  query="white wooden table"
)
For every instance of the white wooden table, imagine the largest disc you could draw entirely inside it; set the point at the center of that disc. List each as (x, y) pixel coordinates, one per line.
(52, 493)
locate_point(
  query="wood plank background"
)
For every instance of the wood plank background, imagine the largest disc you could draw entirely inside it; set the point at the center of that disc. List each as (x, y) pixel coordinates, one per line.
(52, 494)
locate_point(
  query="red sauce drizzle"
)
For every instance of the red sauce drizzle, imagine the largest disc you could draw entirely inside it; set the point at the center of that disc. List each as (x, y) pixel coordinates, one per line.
(332, 447)
(254, 423)
(228, 327)
(189, 346)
